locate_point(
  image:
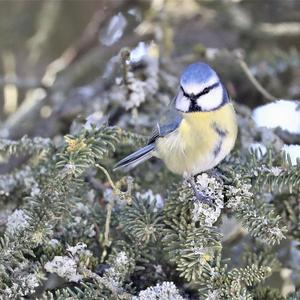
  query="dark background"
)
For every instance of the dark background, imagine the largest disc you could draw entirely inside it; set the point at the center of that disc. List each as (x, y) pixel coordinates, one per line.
(34, 34)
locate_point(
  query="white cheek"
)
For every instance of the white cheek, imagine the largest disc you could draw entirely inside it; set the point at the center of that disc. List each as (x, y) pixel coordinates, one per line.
(212, 100)
(183, 104)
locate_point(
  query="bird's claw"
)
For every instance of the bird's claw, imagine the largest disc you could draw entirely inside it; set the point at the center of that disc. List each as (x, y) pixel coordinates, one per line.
(203, 198)
(216, 174)
(198, 194)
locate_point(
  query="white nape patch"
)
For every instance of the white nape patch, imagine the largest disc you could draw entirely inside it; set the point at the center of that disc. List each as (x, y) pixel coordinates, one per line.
(196, 88)
(182, 103)
(211, 100)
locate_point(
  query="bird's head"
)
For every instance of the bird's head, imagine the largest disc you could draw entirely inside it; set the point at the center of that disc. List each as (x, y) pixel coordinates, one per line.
(200, 89)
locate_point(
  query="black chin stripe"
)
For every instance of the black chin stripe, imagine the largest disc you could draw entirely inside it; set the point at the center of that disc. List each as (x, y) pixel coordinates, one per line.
(194, 107)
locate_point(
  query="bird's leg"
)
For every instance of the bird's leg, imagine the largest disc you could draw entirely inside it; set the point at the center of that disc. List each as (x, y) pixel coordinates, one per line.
(199, 195)
(216, 174)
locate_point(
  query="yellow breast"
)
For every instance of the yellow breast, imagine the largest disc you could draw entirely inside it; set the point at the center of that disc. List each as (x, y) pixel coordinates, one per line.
(201, 141)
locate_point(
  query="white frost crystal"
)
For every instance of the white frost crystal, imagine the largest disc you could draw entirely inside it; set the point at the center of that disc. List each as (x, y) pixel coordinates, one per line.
(54, 243)
(96, 119)
(140, 89)
(275, 171)
(121, 258)
(29, 283)
(212, 189)
(27, 286)
(78, 248)
(275, 231)
(237, 193)
(65, 267)
(163, 291)
(17, 221)
(114, 273)
(32, 185)
(213, 295)
(150, 196)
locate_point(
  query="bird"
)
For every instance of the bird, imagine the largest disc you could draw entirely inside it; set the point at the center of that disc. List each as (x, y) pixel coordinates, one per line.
(197, 131)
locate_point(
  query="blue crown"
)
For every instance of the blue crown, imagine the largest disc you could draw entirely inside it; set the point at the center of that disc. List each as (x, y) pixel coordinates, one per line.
(196, 73)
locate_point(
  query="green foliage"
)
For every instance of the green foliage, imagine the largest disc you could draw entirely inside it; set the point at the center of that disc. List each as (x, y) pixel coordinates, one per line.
(189, 244)
(142, 222)
(58, 193)
(288, 205)
(234, 284)
(271, 172)
(267, 294)
(24, 146)
(85, 149)
(294, 296)
(258, 217)
(139, 240)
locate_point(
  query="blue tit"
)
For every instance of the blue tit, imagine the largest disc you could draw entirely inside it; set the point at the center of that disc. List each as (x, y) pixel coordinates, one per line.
(198, 130)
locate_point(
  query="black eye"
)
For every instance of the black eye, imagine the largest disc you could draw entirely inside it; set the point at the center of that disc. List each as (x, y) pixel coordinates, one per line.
(205, 91)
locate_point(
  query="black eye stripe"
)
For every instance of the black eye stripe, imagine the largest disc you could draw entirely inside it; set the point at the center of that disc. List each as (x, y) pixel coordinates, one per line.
(184, 93)
(205, 91)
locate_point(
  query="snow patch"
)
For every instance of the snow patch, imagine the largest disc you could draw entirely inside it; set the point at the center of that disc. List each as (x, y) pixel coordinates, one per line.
(282, 113)
(293, 151)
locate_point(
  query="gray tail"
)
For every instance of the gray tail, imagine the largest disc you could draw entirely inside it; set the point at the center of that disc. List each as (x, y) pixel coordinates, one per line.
(135, 158)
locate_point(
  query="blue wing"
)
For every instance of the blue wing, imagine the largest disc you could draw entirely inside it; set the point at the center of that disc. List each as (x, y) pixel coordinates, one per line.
(167, 124)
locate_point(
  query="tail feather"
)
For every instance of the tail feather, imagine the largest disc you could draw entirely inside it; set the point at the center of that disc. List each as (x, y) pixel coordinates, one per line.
(135, 158)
